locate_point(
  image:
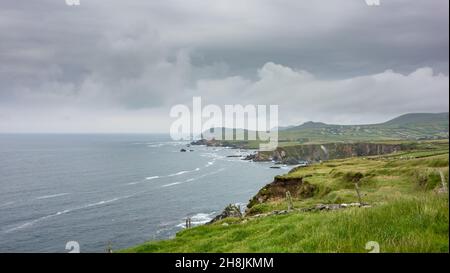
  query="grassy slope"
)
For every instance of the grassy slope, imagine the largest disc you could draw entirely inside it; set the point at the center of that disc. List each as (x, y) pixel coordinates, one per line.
(406, 127)
(386, 176)
(410, 225)
(331, 133)
(408, 215)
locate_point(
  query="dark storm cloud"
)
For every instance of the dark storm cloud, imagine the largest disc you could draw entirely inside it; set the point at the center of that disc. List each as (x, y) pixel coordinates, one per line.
(347, 38)
(113, 59)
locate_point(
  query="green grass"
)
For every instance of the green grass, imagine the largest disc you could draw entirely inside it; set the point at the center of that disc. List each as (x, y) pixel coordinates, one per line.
(408, 214)
(410, 126)
(406, 225)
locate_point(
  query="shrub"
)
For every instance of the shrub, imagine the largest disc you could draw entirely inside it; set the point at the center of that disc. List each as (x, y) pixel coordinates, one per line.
(353, 177)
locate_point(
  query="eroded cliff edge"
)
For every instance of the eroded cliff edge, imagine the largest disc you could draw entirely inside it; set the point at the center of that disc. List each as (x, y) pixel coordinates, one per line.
(320, 152)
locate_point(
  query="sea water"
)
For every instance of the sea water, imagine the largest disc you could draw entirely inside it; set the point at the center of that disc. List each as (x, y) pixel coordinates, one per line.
(114, 190)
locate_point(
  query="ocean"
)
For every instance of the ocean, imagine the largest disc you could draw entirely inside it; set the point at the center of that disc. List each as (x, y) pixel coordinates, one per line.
(114, 190)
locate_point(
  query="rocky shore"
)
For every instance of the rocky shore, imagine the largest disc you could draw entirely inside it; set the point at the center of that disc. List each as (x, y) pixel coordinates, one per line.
(300, 155)
(307, 153)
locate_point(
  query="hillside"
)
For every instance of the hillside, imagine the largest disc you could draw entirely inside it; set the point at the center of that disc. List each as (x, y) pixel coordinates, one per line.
(415, 119)
(414, 126)
(405, 209)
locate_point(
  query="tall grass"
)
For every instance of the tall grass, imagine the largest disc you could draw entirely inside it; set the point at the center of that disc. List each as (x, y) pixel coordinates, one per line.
(417, 224)
(408, 214)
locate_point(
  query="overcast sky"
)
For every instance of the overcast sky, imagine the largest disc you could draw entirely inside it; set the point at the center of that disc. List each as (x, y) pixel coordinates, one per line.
(119, 66)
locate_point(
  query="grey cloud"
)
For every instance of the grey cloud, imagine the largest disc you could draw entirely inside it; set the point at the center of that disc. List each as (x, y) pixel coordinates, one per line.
(302, 96)
(132, 56)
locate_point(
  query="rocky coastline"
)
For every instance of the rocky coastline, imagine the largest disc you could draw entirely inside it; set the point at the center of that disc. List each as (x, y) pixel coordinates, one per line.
(305, 154)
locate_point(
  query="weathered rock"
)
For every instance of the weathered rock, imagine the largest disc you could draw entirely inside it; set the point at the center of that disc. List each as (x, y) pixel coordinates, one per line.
(199, 142)
(249, 157)
(276, 190)
(319, 152)
(230, 211)
(318, 207)
(290, 161)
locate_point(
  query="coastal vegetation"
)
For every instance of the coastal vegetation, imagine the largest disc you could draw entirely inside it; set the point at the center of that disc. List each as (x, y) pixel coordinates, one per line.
(408, 127)
(399, 200)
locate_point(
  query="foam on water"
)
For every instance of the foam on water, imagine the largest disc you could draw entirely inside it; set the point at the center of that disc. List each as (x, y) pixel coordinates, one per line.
(7, 204)
(46, 217)
(198, 219)
(183, 172)
(52, 195)
(193, 179)
(155, 145)
(171, 184)
(151, 177)
(58, 213)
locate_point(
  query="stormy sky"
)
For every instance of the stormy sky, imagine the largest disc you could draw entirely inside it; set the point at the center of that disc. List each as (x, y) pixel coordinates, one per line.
(119, 66)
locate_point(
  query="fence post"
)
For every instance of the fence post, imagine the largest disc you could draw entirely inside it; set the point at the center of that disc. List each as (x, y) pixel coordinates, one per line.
(289, 201)
(358, 193)
(444, 185)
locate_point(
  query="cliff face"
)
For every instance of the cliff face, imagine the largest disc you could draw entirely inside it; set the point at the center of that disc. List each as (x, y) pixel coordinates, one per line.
(297, 187)
(317, 152)
(235, 144)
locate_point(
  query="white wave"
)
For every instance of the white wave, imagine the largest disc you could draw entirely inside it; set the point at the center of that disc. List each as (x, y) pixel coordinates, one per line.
(144, 180)
(177, 143)
(178, 173)
(151, 177)
(52, 195)
(205, 174)
(183, 172)
(169, 175)
(171, 184)
(193, 179)
(201, 218)
(7, 204)
(210, 163)
(155, 145)
(102, 202)
(32, 222)
(212, 155)
(198, 219)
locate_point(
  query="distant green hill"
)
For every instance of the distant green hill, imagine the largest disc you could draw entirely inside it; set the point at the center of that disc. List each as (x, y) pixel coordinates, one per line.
(414, 126)
(420, 119)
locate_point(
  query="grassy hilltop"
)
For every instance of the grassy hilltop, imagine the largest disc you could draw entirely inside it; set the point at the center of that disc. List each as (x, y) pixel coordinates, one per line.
(414, 126)
(408, 209)
(408, 127)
